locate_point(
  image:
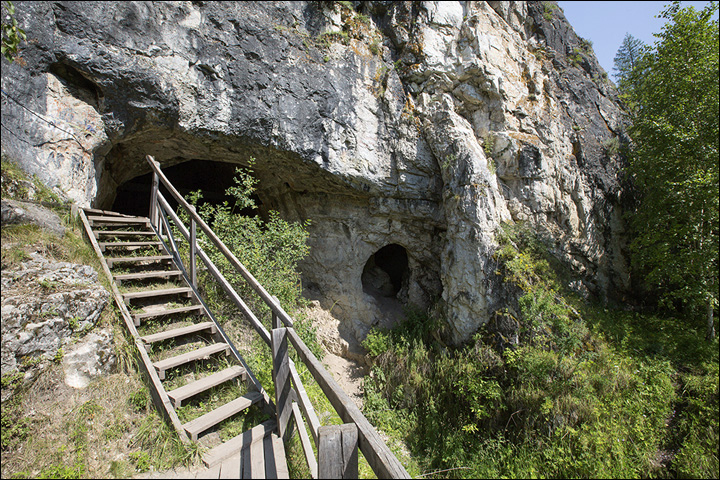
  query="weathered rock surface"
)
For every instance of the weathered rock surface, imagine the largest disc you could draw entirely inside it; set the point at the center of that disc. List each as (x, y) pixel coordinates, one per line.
(43, 304)
(16, 213)
(421, 124)
(89, 358)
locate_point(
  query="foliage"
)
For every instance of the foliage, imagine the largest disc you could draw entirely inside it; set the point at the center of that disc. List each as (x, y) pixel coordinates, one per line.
(673, 102)
(270, 249)
(626, 58)
(12, 34)
(588, 392)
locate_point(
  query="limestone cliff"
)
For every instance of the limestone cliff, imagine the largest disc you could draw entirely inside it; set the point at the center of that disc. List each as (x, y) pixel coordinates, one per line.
(416, 125)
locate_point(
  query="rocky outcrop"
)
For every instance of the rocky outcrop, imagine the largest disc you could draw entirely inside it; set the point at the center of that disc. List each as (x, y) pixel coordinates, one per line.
(16, 212)
(46, 307)
(419, 124)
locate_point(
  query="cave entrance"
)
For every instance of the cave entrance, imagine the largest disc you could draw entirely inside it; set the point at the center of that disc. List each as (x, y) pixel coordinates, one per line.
(386, 273)
(213, 178)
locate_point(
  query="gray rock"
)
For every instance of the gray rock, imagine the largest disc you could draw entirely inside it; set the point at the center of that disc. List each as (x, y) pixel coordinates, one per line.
(89, 358)
(44, 304)
(485, 118)
(17, 213)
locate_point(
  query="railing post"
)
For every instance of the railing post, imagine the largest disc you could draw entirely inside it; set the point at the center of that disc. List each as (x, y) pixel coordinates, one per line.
(275, 318)
(281, 379)
(338, 451)
(193, 274)
(154, 199)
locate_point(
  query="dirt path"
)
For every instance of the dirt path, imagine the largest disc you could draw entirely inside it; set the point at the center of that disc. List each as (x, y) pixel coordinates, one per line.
(349, 374)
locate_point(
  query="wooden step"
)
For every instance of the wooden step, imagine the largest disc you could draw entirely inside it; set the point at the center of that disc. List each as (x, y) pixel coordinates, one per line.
(127, 297)
(119, 233)
(154, 258)
(104, 245)
(121, 277)
(198, 354)
(264, 459)
(177, 332)
(118, 220)
(237, 443)
(106, 212)
(210, 419)
(138, 317)
(198, 386)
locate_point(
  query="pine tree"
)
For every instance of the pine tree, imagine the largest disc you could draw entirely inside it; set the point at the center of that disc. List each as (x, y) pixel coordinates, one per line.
(627, 56)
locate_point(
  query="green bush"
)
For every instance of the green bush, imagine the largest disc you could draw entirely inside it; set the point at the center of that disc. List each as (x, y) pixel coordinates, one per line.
(589, 391)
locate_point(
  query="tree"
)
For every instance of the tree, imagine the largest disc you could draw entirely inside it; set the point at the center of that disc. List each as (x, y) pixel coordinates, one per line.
(627, 57)
(674, 161)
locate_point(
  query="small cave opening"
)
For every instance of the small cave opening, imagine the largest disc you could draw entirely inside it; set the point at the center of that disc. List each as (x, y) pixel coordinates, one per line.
(386, 273)
(212, 178)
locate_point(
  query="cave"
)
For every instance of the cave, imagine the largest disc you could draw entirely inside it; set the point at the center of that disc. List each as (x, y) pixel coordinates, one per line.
(386, 273)
(212, 178)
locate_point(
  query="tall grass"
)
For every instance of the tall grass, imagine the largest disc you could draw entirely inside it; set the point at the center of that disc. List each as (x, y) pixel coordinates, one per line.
(589, 391)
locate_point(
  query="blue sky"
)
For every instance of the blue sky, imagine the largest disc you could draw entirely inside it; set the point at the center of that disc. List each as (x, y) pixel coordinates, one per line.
(606, 23)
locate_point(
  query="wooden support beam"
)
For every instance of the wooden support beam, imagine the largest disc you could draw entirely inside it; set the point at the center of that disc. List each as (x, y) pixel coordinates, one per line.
(338, 451)
(281, 378)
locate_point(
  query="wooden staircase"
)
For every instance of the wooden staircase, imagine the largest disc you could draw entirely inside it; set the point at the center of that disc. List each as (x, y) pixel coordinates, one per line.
(190, 361)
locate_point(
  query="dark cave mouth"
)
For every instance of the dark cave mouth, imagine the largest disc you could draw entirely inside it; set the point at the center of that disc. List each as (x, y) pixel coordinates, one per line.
(386, 272)
(211, 178)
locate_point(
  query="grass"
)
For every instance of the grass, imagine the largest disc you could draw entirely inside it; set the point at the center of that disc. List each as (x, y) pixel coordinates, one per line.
(589, 391)
(49, 430)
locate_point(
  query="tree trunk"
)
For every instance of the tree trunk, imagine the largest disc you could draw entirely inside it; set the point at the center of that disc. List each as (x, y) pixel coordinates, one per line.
(710, 323)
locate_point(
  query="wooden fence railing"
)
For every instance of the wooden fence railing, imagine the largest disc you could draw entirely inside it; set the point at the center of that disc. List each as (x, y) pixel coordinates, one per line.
(337, 445)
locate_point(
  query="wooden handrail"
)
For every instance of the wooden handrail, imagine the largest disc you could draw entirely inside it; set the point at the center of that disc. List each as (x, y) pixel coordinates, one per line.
(377, 453)
(254, 284)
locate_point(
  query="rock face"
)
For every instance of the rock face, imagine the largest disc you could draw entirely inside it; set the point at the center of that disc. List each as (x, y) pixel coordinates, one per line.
(17, 212)
(43, 304)
(419, 124)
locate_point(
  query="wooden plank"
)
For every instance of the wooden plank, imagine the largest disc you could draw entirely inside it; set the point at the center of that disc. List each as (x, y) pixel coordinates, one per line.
(210, 419)
(121, 277)
(305, 442)
(237, 443)
(105, 245)
(257, 460)
(204, 352)
(106, 212)
(153, 258)
(269, 457)
(127, 297)
(280, 459)
(330, 464)
(337, 451)
(230, 467)
(137, 317)
(245, 464)
(118, 220)
(205, 383)
(157, 391)
(350, 450)
(281, 378)
(177, 332)
(378, 455)
(121, 233)
(209, 473)
(304, 401)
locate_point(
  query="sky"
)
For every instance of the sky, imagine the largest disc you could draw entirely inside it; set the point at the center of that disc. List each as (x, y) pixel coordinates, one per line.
(606, 23)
